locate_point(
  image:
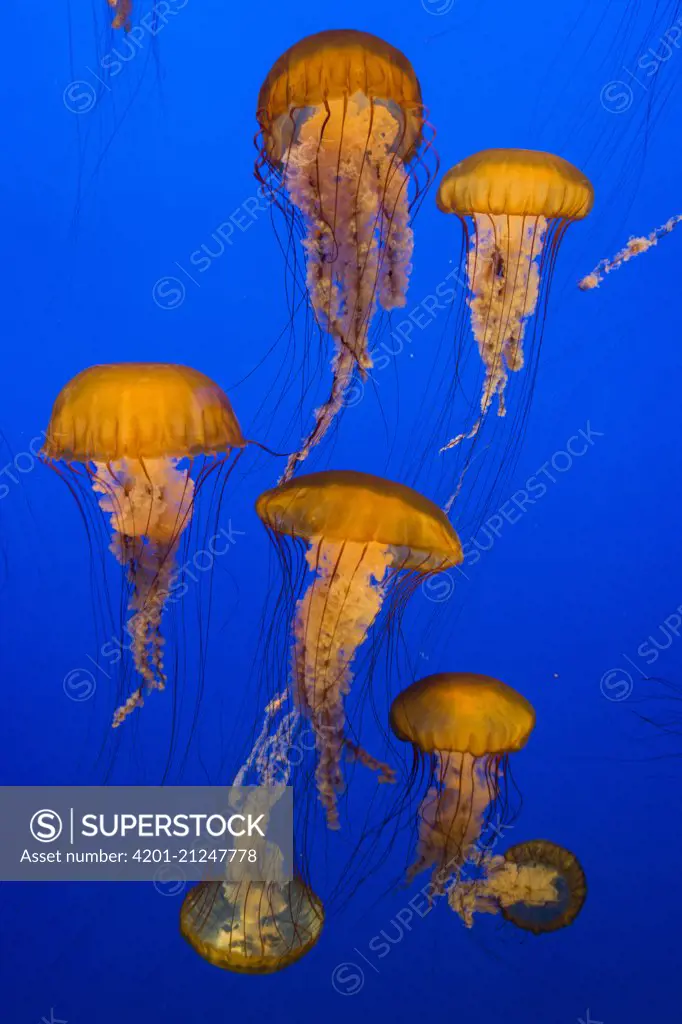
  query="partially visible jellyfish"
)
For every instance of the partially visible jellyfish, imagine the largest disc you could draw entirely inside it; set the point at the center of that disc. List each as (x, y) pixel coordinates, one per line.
(134, 431)
(538, 886)
(362, 533)
(340, 147)
(515, 206)
(252, 927)
(123, 10)
(465, 725)
(635, 246)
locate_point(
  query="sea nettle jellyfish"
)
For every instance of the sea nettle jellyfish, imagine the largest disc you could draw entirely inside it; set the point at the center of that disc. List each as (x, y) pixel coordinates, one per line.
(134, 432)
(515, 206)
(466, 725)
(365, 537)
(252, 927)
(342, 151)
(538, 886)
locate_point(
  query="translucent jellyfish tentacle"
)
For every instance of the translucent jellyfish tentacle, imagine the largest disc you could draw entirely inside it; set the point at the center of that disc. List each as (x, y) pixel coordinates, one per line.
(397, 239)
(150, 504)
(384, 771)
(504, 282)
(332, 620)
(504, 884)
(342, 175)
(452, 812)
(635, 246)
(270, 713)
(343, 368)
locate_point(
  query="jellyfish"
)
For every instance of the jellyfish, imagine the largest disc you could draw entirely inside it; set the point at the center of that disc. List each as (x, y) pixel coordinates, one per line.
(362, 532)
(341, 148)
(252, 927)
(515, 206)
(134, 431)
(538, 886)
(466, 725)
(634, 247)
(123, 10)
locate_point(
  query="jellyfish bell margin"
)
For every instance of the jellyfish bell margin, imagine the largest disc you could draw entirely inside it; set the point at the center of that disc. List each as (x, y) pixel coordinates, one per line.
(252, 927)
(130, 436)
(343, 151)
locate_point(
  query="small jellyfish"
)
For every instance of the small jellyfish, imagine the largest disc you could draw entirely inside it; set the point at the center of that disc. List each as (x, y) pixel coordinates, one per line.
(252, 927)
(134, 432)
(515, 206)
(466, 725)
(341, 150)
(362, 532)
(538, 886)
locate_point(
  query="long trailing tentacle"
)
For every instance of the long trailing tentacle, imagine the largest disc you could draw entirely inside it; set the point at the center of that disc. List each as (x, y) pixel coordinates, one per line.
(352, 190)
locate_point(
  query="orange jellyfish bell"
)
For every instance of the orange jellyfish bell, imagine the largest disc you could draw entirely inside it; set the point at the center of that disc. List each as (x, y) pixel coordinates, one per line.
(131, 426)
(335, 65)
(342, 146)
(140, 411)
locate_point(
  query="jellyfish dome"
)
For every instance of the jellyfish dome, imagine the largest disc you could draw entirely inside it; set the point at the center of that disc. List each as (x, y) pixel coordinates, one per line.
(135, 429)
(466, 724)
(342, 134)
(515, 206)
(361, 531)
(252, 927)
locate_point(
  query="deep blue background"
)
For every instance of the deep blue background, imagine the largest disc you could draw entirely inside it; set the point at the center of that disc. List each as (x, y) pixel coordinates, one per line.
(98, 205)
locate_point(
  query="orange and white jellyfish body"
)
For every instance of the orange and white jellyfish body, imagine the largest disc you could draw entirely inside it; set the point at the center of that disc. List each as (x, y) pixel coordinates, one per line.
(361, 531)
(136, 428)
(466, 725)
(341, 141)
(252, 927)
(515, 206)
(538, 886)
